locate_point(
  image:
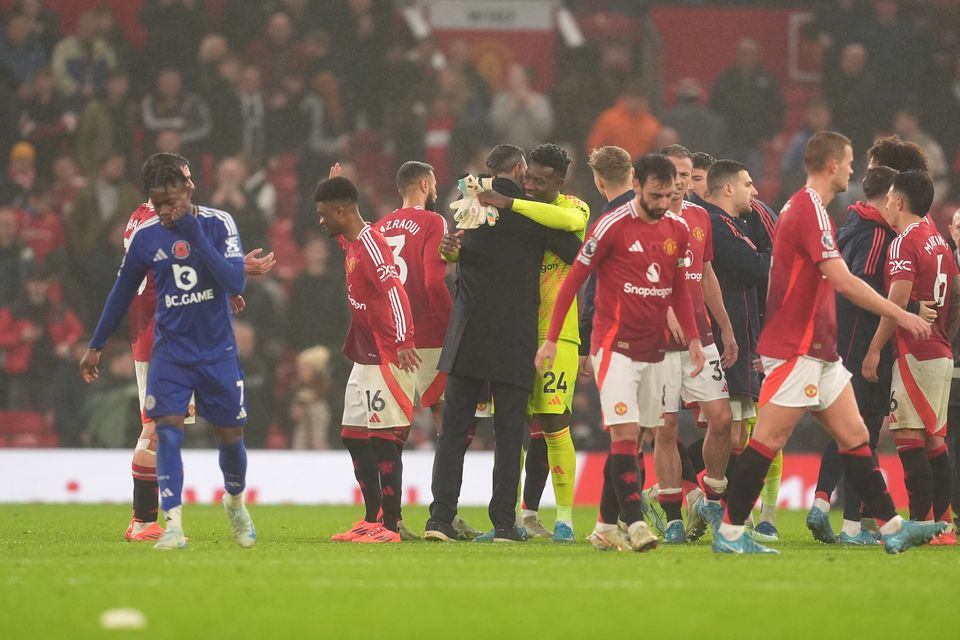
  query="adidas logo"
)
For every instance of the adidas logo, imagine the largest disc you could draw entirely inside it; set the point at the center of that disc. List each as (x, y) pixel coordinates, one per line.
(556, 400)
(375, 418)
(160, 256)
(242, 414)
(558, 471)
(166, 493)
(636, 247)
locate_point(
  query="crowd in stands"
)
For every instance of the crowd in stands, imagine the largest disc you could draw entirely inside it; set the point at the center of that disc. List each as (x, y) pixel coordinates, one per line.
(266, 95)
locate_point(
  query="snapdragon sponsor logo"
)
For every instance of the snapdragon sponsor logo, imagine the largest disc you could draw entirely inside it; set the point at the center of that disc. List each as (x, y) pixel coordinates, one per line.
(359, 306)
(646, 292)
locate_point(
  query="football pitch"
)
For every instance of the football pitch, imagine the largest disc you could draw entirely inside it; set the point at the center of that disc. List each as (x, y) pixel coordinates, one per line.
(62, 566)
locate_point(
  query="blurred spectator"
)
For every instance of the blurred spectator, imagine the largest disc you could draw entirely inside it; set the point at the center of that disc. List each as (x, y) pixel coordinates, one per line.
(169, 141)
(793, 175)
(222, 94)
(82, 63)
(40, 225)
(20, 53)
(242, 21)
(697, 127)
(174, 29)
(285, 122)
(15, 257)
(305, 15)
(125, 56)
(107, 125)
(894, 51)
(275, 53)
(36, 335)
(322, 119)
(111, 409)
(748, 98)
(253, 111)
(317, 292)
(851, 94)
(906, 124)
(45, 120)
(169, 107)
(940, 103)
(628, 123)
(21, 174)
(438, 130)
(109, 196)
(44, 23)
(213, 50)
(364, 31)
(68, 182)
(258, 384)
(230, 195)
(519, 115)
(309, 409)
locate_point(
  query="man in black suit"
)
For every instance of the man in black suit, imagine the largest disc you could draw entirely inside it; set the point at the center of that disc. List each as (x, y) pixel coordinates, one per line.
(492, 337)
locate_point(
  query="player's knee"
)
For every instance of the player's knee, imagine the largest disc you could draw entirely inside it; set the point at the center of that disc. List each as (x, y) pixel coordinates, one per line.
(229, 435)
(624, 432)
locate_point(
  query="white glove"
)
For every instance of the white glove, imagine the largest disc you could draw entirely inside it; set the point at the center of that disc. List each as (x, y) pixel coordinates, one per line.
(469, 213)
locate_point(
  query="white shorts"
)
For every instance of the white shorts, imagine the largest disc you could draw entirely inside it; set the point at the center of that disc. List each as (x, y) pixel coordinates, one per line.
(378, 396)
(919, 394)
(710, 384)
(742, 408)
(802, 381)
(428, 381)
(630, 391)
(141, 368)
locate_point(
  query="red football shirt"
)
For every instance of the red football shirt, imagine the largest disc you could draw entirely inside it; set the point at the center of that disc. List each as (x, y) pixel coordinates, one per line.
(921, 256)
(700, 250)
(380, 318)
(414, 236)
(143, 309)
(801, 314)
(640, 274)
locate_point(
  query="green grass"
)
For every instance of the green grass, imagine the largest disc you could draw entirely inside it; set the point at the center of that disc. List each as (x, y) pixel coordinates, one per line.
(61, 566)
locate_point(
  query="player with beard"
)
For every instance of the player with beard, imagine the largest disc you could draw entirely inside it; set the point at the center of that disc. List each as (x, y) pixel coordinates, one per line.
(550, 406)
(638, 253)
(802, 367)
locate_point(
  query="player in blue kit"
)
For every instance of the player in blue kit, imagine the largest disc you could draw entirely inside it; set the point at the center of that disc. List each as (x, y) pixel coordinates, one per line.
(196, 259)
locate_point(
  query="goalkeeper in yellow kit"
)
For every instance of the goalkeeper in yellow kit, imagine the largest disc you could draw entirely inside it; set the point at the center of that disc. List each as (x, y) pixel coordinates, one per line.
(549, 409)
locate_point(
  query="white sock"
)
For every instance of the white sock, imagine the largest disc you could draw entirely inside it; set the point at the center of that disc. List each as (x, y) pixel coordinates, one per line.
(526, 513)
(768, 513)
(731, 531)
(720, 486)
(174, 517)
(603, 527)
(693, 495)
(821, 504)
(892, 526)
(851, 528)
(655, 491)
(234, 501)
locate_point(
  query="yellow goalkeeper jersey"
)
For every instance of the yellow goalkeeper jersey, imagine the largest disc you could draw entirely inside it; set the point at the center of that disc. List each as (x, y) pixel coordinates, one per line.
(570, 214)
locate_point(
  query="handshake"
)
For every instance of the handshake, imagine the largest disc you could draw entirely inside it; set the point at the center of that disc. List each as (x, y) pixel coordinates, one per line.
(470, 214)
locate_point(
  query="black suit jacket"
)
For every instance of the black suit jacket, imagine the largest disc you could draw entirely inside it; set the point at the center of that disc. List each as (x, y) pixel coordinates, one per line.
(492, 333)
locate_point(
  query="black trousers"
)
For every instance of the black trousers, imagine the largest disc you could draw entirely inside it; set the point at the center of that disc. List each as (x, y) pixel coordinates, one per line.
(460, 404)
(953, 447)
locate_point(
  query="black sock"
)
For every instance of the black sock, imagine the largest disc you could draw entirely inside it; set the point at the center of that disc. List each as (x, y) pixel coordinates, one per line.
(744, 489)
(609, 507)
(830, 469)
(366, 470)
(391, 481)
(942, 475)
(642, 466)
(859, 466)
(687, 472)
(146, 499)
(536, 470)
(917, 476)
(733, 463)
(695, 451)
(672, 504)
(626, 479)
(401, 434)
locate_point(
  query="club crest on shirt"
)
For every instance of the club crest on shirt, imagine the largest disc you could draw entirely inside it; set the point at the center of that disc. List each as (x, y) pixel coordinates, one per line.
(149, 403)
(620, 408)
(670, 246)
(811, 390)
(827, 241)
(181, 249)
(351, 264)
(699, 234)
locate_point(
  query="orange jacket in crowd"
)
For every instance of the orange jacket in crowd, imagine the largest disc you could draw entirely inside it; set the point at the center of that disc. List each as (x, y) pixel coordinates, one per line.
(636, 133)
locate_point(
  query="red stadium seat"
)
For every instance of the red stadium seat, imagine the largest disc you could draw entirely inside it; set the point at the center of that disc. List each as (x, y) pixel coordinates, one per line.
(21, 422)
